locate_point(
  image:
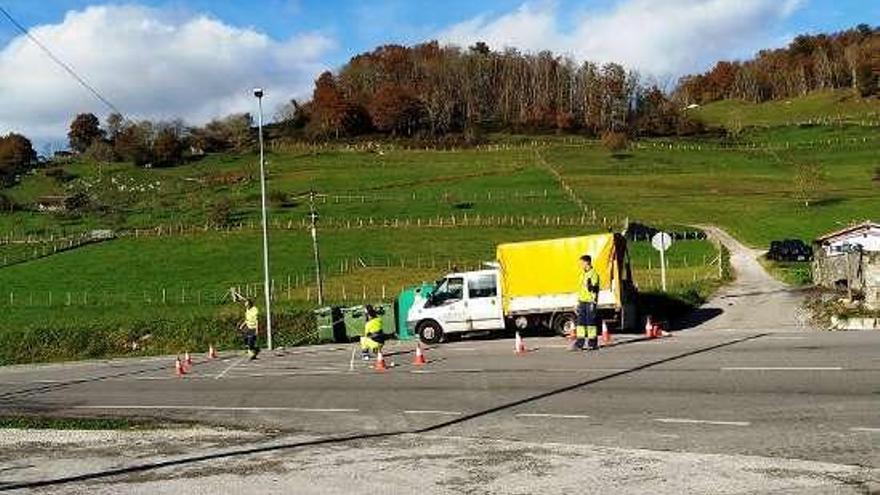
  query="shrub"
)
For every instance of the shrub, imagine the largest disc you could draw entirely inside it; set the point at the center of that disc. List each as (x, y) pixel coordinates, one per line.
(614, 141)
(60, 175)
(220, 213)
(101, 151)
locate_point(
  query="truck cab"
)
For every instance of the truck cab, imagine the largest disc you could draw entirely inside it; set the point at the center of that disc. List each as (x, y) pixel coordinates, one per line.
(460, 302)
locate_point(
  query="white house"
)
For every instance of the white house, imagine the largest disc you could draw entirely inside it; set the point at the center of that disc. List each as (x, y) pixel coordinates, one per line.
(866, 236)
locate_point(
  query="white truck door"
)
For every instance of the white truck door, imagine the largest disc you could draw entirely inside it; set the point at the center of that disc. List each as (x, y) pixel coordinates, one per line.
(451, 305)
(484, 301)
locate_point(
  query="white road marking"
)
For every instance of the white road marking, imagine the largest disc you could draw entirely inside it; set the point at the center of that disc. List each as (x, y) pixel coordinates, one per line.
(702, 422)
(782, 368)
(549, 415)
(219, 376)
(222, 408)
(441, 413)
(865, 430)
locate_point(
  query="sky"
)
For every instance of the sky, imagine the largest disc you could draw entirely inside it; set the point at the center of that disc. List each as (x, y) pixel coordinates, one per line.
(199, 59)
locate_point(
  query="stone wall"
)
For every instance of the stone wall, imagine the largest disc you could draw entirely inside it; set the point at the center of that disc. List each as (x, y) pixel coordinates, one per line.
(863, 268)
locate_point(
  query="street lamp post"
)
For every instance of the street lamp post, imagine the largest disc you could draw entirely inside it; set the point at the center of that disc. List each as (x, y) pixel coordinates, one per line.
(258, 93)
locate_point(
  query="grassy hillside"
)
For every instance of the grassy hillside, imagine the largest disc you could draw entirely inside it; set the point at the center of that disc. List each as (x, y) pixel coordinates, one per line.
(821, 107)
(388, 220)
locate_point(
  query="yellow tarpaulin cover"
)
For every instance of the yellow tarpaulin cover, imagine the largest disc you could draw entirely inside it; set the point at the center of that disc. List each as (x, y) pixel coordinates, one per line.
(536, 268)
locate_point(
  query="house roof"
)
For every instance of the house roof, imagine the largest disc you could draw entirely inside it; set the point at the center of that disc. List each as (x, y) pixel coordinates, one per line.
(849, 230)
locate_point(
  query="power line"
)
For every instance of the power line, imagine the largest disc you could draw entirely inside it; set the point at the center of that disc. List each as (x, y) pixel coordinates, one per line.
(60, 62)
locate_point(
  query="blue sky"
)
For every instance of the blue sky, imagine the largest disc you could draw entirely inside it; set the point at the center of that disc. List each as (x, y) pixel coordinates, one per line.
(198, 59)
(359, 26)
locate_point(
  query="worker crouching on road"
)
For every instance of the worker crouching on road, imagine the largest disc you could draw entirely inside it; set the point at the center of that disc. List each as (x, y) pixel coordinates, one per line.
(373, 339)
(250, 326)
(588, 295)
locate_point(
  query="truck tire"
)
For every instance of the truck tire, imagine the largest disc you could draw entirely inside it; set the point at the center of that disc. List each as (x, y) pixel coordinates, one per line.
(430, 332)
(563, 323)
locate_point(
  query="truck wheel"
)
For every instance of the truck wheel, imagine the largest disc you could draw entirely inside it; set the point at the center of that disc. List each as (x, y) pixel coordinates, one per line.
(564, 324)
(430, 332)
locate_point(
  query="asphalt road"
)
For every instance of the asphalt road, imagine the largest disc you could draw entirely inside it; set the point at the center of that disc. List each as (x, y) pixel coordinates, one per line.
(795, 395)
(712, 397)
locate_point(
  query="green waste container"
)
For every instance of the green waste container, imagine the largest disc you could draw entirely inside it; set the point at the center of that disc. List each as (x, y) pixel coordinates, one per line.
(330, 324)
(354, 320)
(405, 301)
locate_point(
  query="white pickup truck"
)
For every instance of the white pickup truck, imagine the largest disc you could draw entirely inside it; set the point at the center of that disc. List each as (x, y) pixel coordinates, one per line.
(530, 284)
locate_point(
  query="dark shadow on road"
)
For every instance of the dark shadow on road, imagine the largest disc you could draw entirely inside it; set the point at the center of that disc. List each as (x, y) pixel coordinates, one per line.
(362, 436)
(697, 318)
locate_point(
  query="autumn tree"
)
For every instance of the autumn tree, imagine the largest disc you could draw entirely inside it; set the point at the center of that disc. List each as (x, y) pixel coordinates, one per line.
(330, 108)
(85, 129)
(115, 122)
(167, 147)
(395, 111)
(16, 155)
(133, 142)
(231, 133)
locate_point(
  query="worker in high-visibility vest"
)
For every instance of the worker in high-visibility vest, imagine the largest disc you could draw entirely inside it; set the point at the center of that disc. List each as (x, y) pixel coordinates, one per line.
(588, 296)
(373, 339)
(251, 327)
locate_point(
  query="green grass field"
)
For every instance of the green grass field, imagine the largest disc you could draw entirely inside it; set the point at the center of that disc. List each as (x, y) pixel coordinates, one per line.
(823, 106)
(398, 218)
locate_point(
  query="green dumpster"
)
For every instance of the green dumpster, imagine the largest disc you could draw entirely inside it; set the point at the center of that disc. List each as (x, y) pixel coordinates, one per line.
(404, 302)
(331, 327)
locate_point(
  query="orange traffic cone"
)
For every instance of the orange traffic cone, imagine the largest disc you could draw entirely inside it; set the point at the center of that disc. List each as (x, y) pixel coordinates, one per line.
(519, 347)
(419, 359)
(380, 362)
(606, 335)
(178, 368)
(657, 331)
(212, 353)
(649, 328)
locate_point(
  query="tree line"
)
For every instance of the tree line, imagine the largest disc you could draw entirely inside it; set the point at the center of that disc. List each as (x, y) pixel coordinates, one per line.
(847, 59)
(157, 144)
(432, 90)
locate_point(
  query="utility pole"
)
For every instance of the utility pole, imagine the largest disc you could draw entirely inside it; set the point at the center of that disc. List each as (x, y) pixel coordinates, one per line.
(258, 93)
(313, 217)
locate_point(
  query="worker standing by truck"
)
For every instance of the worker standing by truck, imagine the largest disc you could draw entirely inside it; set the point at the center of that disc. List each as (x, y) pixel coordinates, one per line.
(588, 296)
(373, 339)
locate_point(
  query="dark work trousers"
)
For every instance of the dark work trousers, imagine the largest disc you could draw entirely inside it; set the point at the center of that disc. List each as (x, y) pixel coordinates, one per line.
(250, 341)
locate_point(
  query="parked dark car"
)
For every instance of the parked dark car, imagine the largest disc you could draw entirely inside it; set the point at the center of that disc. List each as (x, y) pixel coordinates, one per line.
(790, 250)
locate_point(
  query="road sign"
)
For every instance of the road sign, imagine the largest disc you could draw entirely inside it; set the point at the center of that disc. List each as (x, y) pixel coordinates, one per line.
(661, 242)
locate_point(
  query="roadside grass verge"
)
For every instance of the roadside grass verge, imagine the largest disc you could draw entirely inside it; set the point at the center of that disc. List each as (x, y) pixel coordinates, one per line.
(27, 422)
(794, 273)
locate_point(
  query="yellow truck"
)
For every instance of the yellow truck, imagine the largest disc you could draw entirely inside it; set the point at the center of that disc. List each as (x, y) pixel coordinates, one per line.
(529, 285)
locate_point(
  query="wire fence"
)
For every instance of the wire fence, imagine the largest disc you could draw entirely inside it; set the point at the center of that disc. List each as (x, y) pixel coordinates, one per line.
(346, 280)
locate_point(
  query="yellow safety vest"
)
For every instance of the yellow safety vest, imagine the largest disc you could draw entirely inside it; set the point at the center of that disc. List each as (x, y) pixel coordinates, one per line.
(373, 326)
(589, 286)
(251, 317)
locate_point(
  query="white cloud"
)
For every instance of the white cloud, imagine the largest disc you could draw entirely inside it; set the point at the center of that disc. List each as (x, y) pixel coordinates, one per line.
(659, 38)
(150, 65)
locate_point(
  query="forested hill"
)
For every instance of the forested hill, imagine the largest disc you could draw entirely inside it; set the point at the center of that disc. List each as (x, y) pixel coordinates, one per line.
(430, 89)
(848, 59)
